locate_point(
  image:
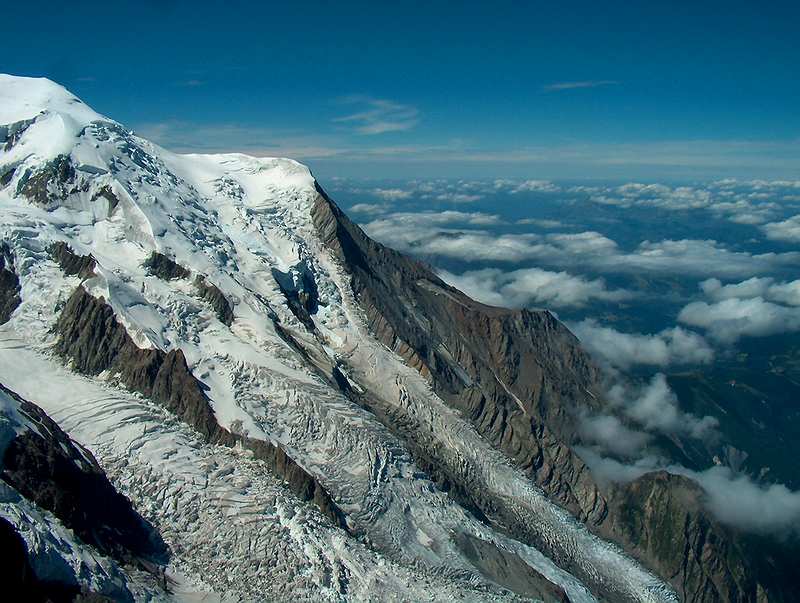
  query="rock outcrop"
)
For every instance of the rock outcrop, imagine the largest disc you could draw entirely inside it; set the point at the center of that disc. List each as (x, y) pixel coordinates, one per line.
(9, 284)
(661, 517)
(51, 184)
(520, 377)
(212, 294)
(516, 374)
(92, 339)
(71, 263)
(165, 268)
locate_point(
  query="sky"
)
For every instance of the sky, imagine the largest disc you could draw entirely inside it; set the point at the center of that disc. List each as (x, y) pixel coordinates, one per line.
(579, 90)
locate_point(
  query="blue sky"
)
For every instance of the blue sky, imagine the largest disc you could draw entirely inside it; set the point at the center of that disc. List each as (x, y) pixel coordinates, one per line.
(648, 90)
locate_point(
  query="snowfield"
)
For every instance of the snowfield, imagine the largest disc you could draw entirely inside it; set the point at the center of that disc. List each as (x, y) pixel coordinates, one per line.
(236, 532)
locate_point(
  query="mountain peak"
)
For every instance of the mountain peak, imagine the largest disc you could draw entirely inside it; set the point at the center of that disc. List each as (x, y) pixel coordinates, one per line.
(24, 98)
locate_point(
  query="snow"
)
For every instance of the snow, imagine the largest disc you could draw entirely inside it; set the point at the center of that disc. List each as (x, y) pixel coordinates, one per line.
(234, 529)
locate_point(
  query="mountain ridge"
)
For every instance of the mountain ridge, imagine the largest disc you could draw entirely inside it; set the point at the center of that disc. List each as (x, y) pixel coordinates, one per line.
(275, 322)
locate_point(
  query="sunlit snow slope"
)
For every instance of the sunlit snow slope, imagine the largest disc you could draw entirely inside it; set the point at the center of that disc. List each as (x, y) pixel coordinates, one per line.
(275, 347)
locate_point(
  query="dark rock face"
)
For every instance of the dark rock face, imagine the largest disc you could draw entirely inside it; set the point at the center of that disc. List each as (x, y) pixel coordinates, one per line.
(58, 476)
(509, 371)
(165, 268)
(216, 298)
(70, 262)
(11, 133)
(9, 285)
(91, 337)
(661, 516)
(519, 376)
(51, 184)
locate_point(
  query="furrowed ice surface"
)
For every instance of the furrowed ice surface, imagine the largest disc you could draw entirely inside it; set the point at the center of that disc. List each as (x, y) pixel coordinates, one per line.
(243, 225)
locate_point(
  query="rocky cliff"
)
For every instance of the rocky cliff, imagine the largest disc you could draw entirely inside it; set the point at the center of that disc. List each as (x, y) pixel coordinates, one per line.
(521, 378)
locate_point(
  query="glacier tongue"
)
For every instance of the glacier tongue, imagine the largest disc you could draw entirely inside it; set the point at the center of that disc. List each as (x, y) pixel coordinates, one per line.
(234, 529)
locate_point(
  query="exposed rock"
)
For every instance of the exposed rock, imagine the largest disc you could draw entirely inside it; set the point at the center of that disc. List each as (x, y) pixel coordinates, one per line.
(51, 184)
(91, 337)
(11, 133)
(519, 376)
(7, 174)
(660, 518)
(70, 262)
(514, 373)
(212, 294)
(9, 284)
(165, 268)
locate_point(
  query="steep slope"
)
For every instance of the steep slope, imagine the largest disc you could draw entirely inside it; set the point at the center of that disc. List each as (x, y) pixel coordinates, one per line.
(299, 411)
(521, 379)
(65, 528)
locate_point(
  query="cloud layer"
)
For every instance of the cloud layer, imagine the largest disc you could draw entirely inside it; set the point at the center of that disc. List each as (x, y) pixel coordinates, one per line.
(734, 499)
(520, 288)
(674, 346)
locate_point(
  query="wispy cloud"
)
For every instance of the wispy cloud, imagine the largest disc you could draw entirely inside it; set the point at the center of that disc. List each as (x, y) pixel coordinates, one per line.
(558, 86)
(378, 116)
(191, 83)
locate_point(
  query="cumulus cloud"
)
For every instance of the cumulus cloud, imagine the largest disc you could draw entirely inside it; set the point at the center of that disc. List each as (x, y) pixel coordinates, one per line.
(609, 433)
(533, 186)
(523, 287)
(787, 230)
(733, 498)
(392, 194)
(654, 406)
(766, 287)
(624, 350)
(370, 209)
(737, 202)
(730, 319)
(458, 197)
(588, 249)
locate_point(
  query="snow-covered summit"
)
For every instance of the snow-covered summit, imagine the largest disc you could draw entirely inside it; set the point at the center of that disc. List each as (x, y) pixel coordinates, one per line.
(25, 97)
(218, 258)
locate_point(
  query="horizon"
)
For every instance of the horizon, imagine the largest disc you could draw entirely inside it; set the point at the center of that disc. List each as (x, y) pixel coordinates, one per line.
(676, 95)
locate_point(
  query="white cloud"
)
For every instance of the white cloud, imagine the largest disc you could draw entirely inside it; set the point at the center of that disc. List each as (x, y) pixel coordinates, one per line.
(392, 194)
(787, 230)
(674, 346)
(379, 116)
(523, 287)
(370, 209)
(536, 186)
(655, 407)
(587, 249)
(766, 287)
(734, 499)
(730, 319)
(458, 197)
(609, 433)
(748, 206)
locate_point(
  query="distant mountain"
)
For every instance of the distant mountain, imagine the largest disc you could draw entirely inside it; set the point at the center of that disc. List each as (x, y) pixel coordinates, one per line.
(281, 408)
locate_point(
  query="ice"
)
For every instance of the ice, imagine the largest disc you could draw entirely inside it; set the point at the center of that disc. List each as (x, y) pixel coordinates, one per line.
(234, 528)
